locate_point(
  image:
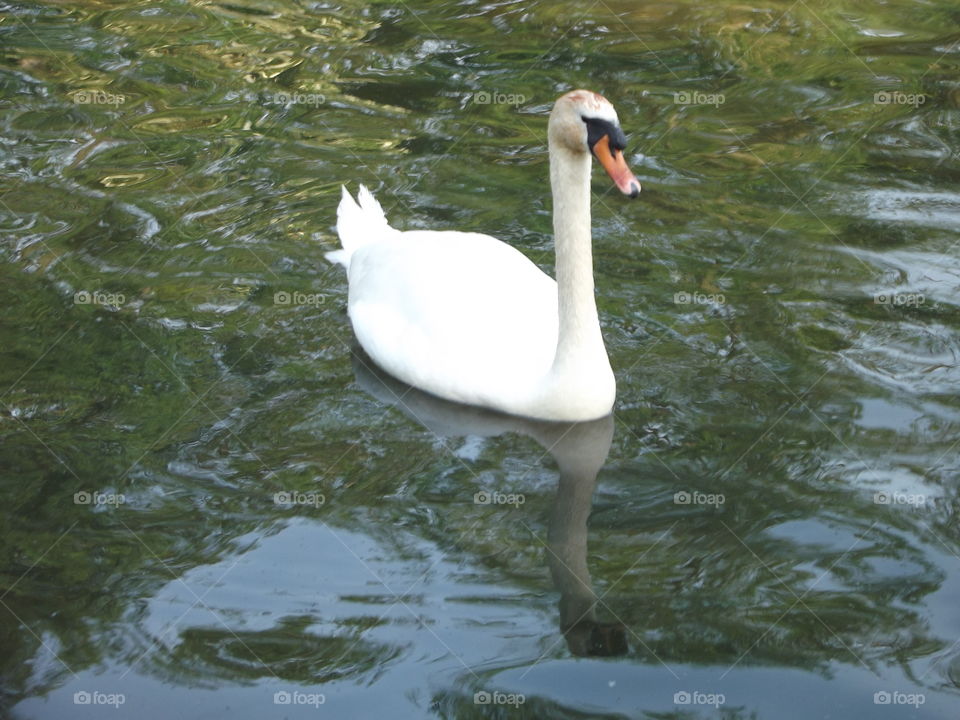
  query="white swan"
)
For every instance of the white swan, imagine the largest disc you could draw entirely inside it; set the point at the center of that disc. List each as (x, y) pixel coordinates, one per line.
(469, 318)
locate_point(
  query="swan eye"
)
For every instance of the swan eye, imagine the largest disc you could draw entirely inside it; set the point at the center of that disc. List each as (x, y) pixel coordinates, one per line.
(597, 128)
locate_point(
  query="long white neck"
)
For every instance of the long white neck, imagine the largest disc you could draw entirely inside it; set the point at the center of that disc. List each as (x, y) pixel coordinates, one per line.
(579, 324)
(579, 343)
(580, 384)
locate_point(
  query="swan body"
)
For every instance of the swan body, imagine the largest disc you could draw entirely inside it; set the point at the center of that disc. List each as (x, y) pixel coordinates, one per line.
(471, 319)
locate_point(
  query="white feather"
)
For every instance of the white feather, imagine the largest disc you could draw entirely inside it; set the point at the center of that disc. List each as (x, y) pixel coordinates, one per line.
(423, 308)
(358, 224)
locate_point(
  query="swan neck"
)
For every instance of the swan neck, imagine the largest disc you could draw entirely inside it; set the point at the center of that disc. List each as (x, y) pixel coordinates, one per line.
(579, 329)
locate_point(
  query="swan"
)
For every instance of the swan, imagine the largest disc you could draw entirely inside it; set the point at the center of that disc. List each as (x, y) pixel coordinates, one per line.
(471, 319)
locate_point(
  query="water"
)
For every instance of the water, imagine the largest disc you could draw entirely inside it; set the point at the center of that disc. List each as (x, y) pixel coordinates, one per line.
(780, 307)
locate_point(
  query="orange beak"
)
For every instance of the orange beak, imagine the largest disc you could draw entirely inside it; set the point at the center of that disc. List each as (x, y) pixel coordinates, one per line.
(616, 167)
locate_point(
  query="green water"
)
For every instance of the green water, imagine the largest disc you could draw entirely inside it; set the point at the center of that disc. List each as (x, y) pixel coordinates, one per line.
(178, 164)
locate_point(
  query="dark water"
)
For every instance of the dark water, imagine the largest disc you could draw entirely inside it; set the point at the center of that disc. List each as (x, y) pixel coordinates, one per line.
(780, 307)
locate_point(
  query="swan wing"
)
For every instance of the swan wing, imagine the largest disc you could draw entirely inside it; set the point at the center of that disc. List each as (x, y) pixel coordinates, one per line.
(461, 315)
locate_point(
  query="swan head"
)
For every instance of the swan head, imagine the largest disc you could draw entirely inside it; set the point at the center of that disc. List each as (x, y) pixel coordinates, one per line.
(583, 121)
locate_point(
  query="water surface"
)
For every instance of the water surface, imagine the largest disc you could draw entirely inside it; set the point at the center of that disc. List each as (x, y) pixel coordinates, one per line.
(780, 307)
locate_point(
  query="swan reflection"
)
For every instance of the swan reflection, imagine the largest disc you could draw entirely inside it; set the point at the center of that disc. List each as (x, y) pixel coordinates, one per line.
(579, 449)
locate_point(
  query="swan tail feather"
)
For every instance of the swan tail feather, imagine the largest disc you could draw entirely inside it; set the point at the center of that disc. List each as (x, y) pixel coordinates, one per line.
(358, 223)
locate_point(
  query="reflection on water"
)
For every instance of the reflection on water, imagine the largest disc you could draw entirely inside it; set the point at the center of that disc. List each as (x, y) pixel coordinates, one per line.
(579, 450)
(780, 308)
